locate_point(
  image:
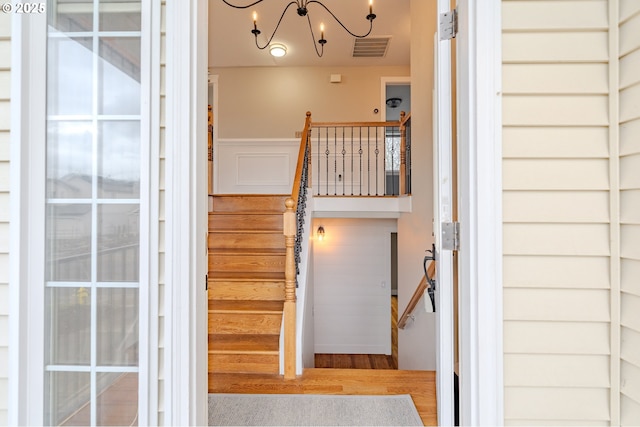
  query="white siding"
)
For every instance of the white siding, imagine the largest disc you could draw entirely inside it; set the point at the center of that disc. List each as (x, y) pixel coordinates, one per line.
(557, 249)
(630, 211)
(161, 226)
(5, 89)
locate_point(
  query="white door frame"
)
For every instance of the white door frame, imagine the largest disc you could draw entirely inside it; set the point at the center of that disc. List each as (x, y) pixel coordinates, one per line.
(390, 81)
(443, 213)
(186, 379)
(480, 186)
(480, 201)
(479, 106)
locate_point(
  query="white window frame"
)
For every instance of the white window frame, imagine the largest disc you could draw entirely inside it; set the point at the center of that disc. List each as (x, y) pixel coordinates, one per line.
(27, 190)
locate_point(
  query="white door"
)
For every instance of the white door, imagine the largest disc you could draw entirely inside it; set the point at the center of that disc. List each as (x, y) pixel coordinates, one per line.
(443, 206)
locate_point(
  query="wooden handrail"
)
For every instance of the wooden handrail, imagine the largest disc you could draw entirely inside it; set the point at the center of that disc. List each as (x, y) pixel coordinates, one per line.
(289, 230)
(422, 286)
(355, 124)
(297, 178)
(404, 118)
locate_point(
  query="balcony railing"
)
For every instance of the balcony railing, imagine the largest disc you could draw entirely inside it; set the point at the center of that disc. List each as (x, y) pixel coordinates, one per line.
(361, 158)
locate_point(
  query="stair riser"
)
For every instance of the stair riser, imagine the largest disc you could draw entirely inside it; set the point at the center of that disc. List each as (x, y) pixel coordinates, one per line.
(244, 363)
(245, 222)
(237, 323)
(249, 203)
(246, 240)
(248, 263)
(266, 291)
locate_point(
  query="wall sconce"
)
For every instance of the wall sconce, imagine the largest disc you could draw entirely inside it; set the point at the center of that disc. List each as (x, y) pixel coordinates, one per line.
(320, 233)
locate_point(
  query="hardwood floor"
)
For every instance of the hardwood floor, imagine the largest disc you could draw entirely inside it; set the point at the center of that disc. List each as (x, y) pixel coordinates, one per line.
(354, 361)
(345, 374)
(419, 384)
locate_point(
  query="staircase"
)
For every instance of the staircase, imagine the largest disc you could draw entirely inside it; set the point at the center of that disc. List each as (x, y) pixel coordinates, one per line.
(246, 283)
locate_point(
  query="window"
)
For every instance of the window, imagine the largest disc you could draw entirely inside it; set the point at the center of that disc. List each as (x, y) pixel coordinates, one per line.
(92, 214)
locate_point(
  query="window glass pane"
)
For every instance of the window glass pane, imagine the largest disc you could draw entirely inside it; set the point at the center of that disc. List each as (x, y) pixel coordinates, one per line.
(119, 160)
(69, 159)
(71, 15)
(117, 327)
(118, 243)
(67, 395)
(392, 154)
(91, 295)
(68, 243)
(69, 76)
(68, 316)
(119, 75)
(120, 15)
(117, 399)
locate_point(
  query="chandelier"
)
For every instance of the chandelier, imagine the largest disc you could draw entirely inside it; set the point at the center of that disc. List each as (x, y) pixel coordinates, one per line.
(302, 9)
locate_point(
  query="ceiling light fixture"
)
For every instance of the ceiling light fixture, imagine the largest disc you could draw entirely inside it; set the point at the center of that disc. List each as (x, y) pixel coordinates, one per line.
(394, 102)
(302, 9)
(278, 50)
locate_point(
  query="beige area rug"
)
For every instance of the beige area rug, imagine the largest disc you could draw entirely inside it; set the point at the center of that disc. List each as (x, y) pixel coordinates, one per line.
(311, 410)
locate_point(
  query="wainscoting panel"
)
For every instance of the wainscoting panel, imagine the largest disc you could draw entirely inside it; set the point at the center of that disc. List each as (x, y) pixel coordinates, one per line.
(255, 166)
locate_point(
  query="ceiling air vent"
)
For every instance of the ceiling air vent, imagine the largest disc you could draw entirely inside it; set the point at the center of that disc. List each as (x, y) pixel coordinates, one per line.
(371, 47)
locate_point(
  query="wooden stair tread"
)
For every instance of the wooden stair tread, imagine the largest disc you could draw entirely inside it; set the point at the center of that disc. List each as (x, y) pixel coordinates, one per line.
(249, 251)
(241, 212)
(241, 276)
(245, 231)
(244, 343)
(248, 202)
(245, 306)
(246, 283)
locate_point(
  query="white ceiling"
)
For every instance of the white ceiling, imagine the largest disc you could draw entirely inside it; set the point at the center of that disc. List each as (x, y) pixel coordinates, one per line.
(231, 43)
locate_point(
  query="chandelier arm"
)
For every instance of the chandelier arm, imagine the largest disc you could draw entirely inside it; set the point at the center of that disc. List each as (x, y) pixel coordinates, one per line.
(242, 7)
(275, 30)
(340, 22)
(313, 39)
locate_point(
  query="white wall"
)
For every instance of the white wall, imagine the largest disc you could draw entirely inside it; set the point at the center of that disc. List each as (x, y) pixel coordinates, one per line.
(308, 333)
(352, 286)
(629, 52)
(416, 343)
(5, 91)
(271, 102)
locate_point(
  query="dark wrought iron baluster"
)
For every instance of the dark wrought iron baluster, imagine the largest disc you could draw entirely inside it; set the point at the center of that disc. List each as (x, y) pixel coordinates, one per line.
(369, 160)
(317, 182)
(335, 161)
(360, 153)
(343, 163)
(326, 153)
(351, 153)
(377, 162)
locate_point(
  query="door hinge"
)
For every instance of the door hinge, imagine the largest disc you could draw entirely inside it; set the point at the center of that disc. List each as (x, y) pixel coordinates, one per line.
(451, 236)
(448, 24)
